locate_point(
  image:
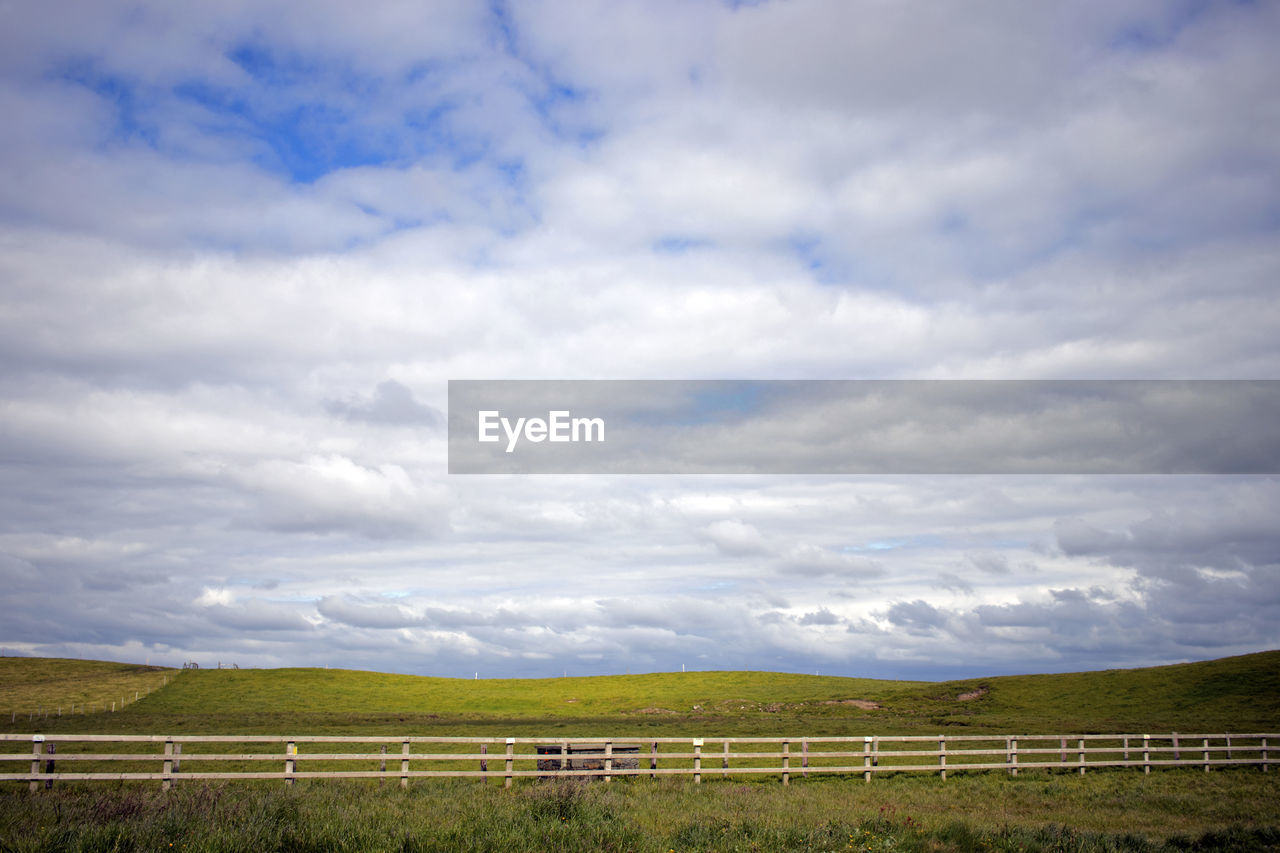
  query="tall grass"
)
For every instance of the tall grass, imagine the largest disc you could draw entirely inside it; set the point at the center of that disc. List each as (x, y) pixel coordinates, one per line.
(1109, 812)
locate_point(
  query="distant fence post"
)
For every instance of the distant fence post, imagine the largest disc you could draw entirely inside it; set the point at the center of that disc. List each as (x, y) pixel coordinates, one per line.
(697, 761)
(167, 783)
(786, 762)
(942, 757)
(511, 748)
(1146, 753)
(290, 750)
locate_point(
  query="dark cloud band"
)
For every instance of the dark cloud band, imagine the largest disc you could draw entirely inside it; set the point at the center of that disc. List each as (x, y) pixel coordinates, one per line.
(865, 427)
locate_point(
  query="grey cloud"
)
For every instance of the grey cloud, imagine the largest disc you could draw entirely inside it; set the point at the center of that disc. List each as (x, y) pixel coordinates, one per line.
(992, 564)
(917, 616)
(822, 616)
(391, 403)
(360, 614)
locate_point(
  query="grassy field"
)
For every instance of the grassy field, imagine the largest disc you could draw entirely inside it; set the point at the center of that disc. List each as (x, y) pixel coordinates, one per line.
(1227, 809)
(39, 686)
(1232, 694)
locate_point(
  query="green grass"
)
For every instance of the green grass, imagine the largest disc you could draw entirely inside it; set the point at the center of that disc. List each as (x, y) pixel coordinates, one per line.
(31, 686)
(1232, 694)
(1176, 810)
(1227, 809)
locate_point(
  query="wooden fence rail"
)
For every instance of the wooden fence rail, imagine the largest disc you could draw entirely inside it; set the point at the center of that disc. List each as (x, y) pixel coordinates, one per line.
(170, 758)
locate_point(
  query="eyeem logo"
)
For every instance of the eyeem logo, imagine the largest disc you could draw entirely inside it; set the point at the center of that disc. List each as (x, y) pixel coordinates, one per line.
(558, 426)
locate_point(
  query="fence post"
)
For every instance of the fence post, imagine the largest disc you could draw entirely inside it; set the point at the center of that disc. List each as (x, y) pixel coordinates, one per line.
(1146, 753)
(1062, 750)
(786, 762)
(168, 765)
(608, 761)
(1013, 756)
(36, 741)
(1228, 739)
(942, 756)
(1126, 749)
(564, 755)
(1080, 747)
(177, 759)
(653, 759)
(511, 748)
(1264, 755)
(724, 762)
(1206, 755)
(804, 758)
(866, 759)
(404, 764)
(697, 761)
(1177, 754)
(48, 765)
(290, 750)
(484, 762)
(382, 764)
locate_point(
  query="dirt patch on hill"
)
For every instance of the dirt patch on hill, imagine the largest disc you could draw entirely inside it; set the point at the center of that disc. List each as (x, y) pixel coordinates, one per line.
(973, 694)
(654, 711)
(864, 704)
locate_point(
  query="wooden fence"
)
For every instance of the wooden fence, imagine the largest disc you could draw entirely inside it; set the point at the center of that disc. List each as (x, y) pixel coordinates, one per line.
(169, 759)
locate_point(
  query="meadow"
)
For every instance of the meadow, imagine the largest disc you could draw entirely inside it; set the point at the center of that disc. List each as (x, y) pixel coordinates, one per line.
(1172, 809)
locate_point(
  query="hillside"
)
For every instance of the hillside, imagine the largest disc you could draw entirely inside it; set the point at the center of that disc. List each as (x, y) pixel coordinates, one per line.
(1231, 694)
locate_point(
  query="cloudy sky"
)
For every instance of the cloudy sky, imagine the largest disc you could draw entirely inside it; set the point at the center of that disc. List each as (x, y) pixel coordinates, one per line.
(244, 247)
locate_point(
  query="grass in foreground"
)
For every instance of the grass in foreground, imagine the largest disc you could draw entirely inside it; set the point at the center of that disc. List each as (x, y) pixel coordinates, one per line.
(1175, 810)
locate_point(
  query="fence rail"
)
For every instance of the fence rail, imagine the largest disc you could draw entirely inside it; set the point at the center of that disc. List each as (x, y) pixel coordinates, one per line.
(172, 758)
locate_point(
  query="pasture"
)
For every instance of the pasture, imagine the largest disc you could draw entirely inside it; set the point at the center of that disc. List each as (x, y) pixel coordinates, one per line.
(1170, 809)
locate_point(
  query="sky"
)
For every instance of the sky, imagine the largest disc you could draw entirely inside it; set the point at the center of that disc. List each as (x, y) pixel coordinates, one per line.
(245, 246)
